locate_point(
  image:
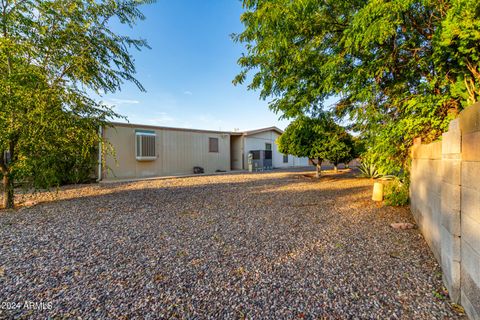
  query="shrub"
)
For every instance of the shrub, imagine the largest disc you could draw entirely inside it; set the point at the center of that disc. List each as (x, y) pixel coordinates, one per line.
(396, 193)
(369, 170)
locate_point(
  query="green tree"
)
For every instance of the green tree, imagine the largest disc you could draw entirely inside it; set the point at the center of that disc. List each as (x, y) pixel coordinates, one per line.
(316, 138)
(399, 69)
(342, 148)
(52, 54)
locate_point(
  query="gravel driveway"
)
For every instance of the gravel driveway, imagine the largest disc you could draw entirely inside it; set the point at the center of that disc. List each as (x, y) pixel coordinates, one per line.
(266, 245)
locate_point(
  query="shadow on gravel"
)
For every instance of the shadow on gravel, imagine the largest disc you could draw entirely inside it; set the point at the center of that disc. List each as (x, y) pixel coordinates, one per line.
(258, 180)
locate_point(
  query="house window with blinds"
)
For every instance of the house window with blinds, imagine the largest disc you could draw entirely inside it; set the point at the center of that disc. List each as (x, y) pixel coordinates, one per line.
(213, 145)
(145, 145)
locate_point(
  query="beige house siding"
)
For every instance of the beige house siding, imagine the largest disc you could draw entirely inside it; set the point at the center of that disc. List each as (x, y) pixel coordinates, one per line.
(236, 153)
(177, 152)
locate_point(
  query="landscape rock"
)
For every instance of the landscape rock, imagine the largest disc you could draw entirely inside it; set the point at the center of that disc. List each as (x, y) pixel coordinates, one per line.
(262, 245)
(402, 225)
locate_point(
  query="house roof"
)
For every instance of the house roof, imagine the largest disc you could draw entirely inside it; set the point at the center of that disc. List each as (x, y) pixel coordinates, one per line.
(250, 132)
(235, 133)
(134, 125)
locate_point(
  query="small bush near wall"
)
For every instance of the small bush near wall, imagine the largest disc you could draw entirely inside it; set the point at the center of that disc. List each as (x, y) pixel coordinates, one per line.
(396, 193)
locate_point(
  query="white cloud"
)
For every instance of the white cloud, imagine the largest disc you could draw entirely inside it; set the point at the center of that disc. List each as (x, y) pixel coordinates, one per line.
(116, 103)
(188, 93)
(123, 101)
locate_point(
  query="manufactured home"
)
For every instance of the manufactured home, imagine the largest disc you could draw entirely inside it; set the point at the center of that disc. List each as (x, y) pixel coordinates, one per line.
(143, 151)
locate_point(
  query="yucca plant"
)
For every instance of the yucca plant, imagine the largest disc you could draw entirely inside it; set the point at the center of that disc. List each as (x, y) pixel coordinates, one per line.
(369, 170)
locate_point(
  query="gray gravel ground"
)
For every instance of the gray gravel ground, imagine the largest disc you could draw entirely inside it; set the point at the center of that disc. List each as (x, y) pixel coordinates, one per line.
(267, 245)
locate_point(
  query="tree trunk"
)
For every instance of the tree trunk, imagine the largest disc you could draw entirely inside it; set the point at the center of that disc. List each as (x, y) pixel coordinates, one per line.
(8, 192)
(335, 167)
(319, 168)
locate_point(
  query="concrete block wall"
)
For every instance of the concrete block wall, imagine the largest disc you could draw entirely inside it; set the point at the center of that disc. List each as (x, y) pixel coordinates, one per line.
(445, 201)
(470, 210)
(426, 192)
(450, 209)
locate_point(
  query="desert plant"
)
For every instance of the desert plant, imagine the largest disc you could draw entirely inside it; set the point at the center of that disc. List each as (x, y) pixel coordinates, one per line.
(396, 192)
(368, 170)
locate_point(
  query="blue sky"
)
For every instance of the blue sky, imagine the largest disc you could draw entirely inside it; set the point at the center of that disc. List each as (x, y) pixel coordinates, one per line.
(189, 70)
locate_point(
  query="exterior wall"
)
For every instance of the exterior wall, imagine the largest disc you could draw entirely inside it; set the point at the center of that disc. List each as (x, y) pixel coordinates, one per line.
(470, 210)
(445, 201)
(236, 152)
(294, 162)
(178, 151)
(257, 142)
(425, 193)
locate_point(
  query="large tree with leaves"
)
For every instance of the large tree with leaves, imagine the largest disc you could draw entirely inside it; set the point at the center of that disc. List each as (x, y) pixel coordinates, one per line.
(398, 69)
(52, 54)
(317, 138)
(342, 148)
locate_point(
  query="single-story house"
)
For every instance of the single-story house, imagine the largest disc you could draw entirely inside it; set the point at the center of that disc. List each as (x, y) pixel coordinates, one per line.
(142, 151)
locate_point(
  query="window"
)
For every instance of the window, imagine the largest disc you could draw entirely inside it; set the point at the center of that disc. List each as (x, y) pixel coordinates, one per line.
(268, 146)
(145, 145)
(255, 155)
(212, 144)
(268, 155)
(285, 158)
